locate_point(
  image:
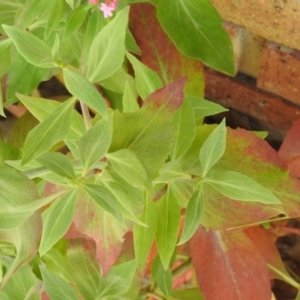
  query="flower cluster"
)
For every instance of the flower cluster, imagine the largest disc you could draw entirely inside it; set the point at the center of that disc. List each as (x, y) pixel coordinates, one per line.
(107, 7)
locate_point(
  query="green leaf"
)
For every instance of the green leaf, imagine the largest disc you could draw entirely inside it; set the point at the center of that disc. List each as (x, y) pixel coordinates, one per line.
(20, 284)
(201, 35)
(50, 131)
(81, 256)
(147, 81)
(128, 198)
(75, 20)
(57, 263)
(203, 108)
(144, 236)
(118, 280)
(30, 12)
(168, 221)
(34, 50)
(131, 44)
(213, 148)
(127, 164)
(4, 45)
(83, 89)
(241, 187)
(56, 12)
(184, 120)
(17, 82)
(40, 108)
(58, 163)
(149, 131)
(95, 143)
(8, 151)
(193, 216)
(162, 277)
(56, 287)
(12, 217)
(57, 220)
(129, 99)
(105, 199)
(108, 48)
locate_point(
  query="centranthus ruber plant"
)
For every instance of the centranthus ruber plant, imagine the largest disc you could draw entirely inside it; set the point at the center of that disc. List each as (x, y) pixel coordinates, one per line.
(115, 188)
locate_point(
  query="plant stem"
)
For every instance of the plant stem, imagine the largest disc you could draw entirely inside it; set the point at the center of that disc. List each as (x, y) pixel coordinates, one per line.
(285, 277)
(86, 115)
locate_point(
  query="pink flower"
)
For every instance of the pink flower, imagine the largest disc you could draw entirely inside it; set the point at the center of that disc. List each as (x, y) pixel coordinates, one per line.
(108, 9)
(95, 2)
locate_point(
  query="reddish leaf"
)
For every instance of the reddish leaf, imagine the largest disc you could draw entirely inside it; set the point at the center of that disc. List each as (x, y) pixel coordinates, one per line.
(160, 53)
(99, 225)
(252, 156)
(170, 96)
(229, 266)
(265, 244)
(290, 149)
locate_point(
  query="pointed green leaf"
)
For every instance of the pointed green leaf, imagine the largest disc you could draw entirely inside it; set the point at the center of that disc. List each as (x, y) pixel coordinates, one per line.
(129, 99)
(83, 89)
(168, 221)
(127, 164)
(20, 284)
(57, 220)
(56, 12)
(52, 130)
(194, 36)
(95, 143)
(56, 287)
(213, 148)
(105, 199)
(75, 20)
(34, 50)
(193, 216)
(147, 81)
(40, 108)
(144, 236)
(127, 201)
(58, 163)
(203, 108)
(118, 280)
(131, 44)
(108, 48)
(149, 131)
(184, 120)
(11, 217)
(162, 277)
(81, 256)
(241, 187)
(57, 263)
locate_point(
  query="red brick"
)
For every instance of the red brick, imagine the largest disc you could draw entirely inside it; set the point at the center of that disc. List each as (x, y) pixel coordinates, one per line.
(273, 113)
(280, 71)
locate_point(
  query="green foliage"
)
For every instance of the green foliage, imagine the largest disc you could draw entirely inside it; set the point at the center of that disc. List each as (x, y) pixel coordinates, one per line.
(90, 196)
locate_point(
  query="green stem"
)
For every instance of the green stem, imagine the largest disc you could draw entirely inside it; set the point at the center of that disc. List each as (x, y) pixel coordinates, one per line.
(285, 277)
(86, 115)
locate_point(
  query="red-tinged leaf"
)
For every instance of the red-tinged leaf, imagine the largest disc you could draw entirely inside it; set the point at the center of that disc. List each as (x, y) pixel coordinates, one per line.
(254, 157)
(92, 220)
(264, 242)
(169, 97)
(160, 53)
(290, 149)
(251, 156)
(229, 266)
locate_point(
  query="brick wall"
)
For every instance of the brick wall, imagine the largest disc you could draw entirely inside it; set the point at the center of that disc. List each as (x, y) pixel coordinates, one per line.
(266, 38)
